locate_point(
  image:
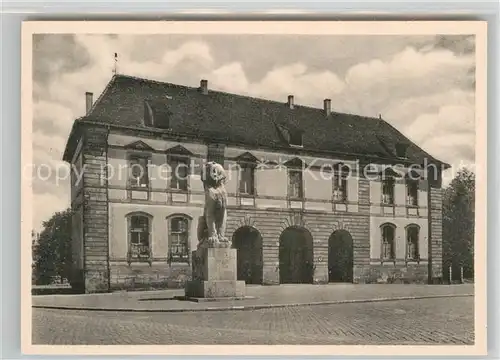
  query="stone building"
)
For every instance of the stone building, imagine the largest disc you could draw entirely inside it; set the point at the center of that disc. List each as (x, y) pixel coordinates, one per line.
(315, 196)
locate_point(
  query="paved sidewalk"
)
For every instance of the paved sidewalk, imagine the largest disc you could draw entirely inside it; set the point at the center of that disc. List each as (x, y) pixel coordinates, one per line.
(262, 297)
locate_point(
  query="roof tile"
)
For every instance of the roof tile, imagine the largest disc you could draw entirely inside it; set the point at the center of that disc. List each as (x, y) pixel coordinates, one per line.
(245, 119)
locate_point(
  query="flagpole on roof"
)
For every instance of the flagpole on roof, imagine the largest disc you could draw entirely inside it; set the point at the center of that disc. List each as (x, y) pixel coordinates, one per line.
(115, 69)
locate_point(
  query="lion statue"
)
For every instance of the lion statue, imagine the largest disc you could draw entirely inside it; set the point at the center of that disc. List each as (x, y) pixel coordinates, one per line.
(212, 225)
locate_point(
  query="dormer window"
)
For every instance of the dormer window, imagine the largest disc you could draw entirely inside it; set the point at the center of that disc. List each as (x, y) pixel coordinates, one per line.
(295, 138)
(290, 134)
(157, 114)
(401, 149)
(148, 114)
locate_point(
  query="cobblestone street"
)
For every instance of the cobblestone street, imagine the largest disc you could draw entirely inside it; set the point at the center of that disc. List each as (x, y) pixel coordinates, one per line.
(424, 321)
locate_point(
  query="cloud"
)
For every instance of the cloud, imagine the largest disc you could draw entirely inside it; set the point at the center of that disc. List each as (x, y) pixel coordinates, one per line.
(421, 85)
(458, 44)
(378, 85)
(294, 79)
(428, 103)
(449, 120)
(51, 117)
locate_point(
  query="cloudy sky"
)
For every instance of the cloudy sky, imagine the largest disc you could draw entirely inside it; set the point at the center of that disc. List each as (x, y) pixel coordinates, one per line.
(423, 85)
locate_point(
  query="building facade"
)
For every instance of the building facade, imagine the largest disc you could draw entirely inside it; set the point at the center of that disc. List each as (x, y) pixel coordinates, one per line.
(315, 196)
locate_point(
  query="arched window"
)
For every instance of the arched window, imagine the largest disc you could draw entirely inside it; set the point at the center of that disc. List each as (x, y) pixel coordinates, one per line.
(412, 235)
(388, 242)
(178, 239)
(139, 236)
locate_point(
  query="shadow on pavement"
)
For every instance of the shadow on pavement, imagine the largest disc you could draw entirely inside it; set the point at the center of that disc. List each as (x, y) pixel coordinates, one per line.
(161, 299)
(54, 291)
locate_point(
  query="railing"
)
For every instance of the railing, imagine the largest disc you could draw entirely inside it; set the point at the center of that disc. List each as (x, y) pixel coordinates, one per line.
(140, 253)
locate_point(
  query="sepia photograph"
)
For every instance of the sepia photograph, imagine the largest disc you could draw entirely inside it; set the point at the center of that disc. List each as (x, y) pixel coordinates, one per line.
(258, 184)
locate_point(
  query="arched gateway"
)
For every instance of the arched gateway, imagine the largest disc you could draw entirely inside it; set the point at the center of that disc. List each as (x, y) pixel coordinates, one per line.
(248, 243)
(296, 256)
(340, 257)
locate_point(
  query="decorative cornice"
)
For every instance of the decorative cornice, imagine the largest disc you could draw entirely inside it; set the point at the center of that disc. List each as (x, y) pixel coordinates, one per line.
(138, 145)
(246, 157)
(177, 136)
(178, 150)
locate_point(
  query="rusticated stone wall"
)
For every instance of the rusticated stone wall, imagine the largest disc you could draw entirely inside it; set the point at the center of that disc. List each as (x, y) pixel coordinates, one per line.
(95, 211)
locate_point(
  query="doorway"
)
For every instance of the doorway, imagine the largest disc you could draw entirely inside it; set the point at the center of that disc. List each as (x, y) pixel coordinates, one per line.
(248, 244)
(340, 257)
(296, 256)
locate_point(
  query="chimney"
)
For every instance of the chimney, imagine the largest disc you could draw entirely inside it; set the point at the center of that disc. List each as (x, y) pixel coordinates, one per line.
(88, 102)
(327, 106)
(290, 101)
(204, 87)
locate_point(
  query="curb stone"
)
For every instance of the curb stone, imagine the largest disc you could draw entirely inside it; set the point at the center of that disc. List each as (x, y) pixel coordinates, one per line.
(246, 307)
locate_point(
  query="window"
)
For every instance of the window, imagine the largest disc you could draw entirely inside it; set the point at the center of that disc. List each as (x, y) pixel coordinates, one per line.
(388, 191)
(179, 173)
(388, 234)
(247, 177)
(295, 184)
(216, 153)
(179, 240)
(139, 171)
(340, 188)
(412, 234)
(148, 114)
(295, 138)
(412, 192)
(139, 238)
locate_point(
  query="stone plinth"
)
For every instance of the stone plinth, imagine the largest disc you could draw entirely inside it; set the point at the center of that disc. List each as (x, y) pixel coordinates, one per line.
(214, 275)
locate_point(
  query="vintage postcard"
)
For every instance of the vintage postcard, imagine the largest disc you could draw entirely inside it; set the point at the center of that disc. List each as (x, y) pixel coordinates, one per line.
(188, 186)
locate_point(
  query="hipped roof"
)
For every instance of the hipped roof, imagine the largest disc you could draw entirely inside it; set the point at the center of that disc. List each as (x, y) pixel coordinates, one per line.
(243, 120)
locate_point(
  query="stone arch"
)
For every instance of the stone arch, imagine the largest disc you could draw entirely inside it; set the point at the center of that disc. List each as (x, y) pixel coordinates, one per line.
(294, 220)
(139, 213)
(247, 241)
(340, 256)
(246, 220)
(340, 225)
(296, 263)
(189, 217)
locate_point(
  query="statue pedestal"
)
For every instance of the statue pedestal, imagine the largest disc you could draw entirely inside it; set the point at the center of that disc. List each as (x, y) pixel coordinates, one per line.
(214, 275)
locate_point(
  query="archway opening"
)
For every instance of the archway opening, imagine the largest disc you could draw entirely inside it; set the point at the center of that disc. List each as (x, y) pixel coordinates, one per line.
(340, 257)
(296, 256)
(248, 244)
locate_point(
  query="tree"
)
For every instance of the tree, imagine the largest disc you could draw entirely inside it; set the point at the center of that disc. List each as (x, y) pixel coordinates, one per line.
(458, 223)
(52, 256)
